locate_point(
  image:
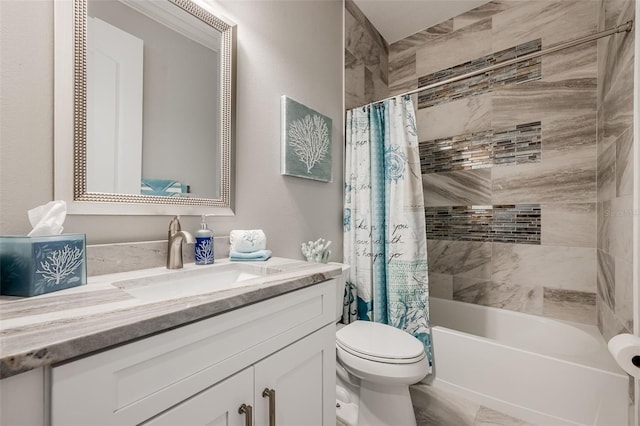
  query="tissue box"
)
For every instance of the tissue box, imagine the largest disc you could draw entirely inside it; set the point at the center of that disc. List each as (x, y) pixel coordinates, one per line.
(36, 265)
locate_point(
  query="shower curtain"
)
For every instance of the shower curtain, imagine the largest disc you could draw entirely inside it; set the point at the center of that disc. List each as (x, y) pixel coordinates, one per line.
(384, 223)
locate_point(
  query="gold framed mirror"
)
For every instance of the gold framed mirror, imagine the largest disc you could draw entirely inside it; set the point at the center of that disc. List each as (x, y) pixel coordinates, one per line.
(162, 144)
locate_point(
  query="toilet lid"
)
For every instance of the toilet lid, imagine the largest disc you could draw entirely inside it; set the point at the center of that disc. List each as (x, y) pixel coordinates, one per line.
(379, 342)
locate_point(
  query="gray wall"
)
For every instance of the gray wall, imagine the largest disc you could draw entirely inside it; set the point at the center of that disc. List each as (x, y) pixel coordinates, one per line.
(284, 47)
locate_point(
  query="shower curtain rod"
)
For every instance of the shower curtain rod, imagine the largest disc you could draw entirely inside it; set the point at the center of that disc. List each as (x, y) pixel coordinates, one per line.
(626, 27)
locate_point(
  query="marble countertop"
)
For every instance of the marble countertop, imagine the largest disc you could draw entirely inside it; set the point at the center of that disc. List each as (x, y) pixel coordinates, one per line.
(59, 326)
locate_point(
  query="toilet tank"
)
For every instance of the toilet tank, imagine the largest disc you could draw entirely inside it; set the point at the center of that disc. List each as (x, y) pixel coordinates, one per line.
(340, 286)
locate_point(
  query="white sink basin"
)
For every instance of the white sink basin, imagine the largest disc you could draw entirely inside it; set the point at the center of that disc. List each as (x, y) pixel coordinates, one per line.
(192, 282)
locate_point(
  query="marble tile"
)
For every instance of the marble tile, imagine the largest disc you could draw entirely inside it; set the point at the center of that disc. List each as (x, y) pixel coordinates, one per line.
(624, 163)
(423, 37)
(624, 292)
(461, 258)
(498, 294)
(480, 13)
(402, 87)
(554, 21)
(607, 174)
(607, 65)
(606, 279)
(354, 15)
(621, 46)
(569, 224)
(618, 105)
(369, 89)
(578, 62)
(375, 88)
(608, 324)
(436, 407)
(461, 116)
(567, 172)
(612, 11)
(569, 305)
(620, 227)
(604, 52)
(456, 48)
(489, 417)
(551, 180)
(105, 259)
(440, 285)
(542, 100)
(603, 218)
(402, 66)
(569, 268)
(572, 136)
(354, 82)
(601, 142)
(463, 187)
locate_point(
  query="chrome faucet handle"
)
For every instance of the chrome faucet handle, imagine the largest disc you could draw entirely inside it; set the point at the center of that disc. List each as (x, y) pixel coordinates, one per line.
(174, 226)
(175, 238)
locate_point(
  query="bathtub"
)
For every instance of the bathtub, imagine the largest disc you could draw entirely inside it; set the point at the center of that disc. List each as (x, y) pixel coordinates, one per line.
(543, 371)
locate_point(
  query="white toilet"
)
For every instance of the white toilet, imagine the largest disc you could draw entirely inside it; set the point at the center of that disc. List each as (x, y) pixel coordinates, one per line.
(375, 365)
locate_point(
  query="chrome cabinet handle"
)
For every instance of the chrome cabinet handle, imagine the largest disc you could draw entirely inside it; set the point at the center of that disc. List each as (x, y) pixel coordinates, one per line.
(271, 394)
(247, 410)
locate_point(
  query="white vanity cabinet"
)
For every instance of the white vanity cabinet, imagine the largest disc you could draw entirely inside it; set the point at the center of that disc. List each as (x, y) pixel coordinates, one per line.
(277, 357)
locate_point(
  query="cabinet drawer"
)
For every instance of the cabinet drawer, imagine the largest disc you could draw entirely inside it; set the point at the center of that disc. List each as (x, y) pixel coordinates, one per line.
(134, 382)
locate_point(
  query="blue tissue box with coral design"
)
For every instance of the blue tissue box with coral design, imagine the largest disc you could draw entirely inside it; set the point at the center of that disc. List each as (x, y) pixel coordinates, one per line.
(37, 265)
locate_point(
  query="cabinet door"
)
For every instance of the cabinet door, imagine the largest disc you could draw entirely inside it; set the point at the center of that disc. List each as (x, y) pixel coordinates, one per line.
(303, 378)
(216, 406)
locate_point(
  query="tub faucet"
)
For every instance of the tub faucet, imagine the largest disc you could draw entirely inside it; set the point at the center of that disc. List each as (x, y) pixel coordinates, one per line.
(175, 239)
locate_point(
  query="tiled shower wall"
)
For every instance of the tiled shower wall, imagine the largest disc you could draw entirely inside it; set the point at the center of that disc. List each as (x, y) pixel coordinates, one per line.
(519, 190)
(614, 301)
(366, 59)
(509, 158)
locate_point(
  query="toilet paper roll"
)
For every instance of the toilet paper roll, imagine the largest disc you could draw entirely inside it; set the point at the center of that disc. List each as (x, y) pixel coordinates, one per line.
(625, 348)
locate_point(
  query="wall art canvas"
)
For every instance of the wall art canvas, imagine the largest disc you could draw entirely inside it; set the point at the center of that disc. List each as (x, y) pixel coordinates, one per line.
(306, 142)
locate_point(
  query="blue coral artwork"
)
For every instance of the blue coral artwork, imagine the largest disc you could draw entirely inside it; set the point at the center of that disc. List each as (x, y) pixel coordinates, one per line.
(306, 142)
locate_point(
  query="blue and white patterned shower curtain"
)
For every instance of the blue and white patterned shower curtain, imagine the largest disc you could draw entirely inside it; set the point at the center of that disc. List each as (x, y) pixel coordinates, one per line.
(384, 224)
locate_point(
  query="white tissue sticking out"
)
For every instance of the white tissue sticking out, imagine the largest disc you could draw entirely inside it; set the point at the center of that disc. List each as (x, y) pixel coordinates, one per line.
(47, 219)
(625, 348)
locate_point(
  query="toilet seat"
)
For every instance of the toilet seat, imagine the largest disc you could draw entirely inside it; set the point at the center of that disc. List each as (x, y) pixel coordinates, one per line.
(379, 343)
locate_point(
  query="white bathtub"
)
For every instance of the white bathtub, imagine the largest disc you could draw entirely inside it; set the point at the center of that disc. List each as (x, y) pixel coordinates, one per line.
(544, 371)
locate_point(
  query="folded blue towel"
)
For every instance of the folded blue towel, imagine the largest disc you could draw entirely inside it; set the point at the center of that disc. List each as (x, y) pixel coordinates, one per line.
(254, 255)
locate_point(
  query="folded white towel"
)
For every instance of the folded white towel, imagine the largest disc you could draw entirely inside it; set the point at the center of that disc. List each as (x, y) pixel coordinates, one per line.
(247, 241)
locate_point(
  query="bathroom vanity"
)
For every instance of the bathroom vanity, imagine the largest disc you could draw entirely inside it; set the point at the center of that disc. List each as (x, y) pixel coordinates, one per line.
(257, 351)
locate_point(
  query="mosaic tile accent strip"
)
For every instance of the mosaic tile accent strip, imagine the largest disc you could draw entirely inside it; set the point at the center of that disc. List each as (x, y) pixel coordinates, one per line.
(529, 70)
(516, 223)
(489, 148)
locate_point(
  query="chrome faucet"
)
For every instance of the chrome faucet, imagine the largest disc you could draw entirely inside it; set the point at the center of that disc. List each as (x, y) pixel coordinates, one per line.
(175, 239)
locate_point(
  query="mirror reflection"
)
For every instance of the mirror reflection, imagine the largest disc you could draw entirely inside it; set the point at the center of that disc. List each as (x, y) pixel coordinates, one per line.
(153, 101)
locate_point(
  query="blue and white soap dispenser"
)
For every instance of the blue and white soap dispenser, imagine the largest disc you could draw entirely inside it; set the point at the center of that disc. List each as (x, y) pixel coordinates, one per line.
(204, 244)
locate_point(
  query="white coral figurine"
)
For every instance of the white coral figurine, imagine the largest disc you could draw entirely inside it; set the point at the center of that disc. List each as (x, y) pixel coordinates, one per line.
(317, 251)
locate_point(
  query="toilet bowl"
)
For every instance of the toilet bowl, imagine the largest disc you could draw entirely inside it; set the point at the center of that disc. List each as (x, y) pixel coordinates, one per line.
(375, 364)
(385, 360)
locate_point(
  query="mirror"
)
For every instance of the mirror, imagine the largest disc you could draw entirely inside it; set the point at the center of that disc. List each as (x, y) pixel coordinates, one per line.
(144, 107)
